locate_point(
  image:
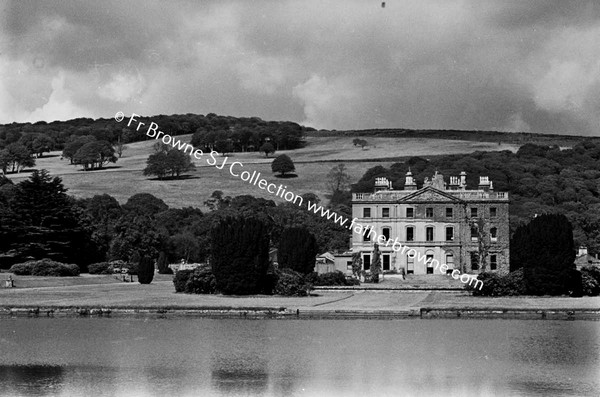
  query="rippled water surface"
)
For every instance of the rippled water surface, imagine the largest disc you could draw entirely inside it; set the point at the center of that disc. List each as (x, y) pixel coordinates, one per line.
(226, 357)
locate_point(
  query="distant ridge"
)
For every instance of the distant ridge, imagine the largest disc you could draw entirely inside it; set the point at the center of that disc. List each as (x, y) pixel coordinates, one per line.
(466, 135)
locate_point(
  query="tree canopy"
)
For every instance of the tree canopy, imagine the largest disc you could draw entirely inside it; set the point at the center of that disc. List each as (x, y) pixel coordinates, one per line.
(168, 161)
(95, 154)
(283, 164)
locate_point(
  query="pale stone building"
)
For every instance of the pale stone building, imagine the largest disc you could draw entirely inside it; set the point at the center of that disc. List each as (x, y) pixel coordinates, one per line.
(465, 228)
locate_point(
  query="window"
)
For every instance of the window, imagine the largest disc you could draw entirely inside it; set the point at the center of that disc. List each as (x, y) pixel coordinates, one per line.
(494, 234)
(410, 264)
(385, 232)
(348, 265)
(429, 233)
(366, 212)
(474, 261)
(386, 262)
(385, 212)
(410, 233)
(367, 234)
(473, 212)
(410, 212)
(366, 262)
(429, 261)
(428, 212)
(449, 233)
(493, 262)
(493, 212)
(449, 212)
(450, 262)
(474, 234)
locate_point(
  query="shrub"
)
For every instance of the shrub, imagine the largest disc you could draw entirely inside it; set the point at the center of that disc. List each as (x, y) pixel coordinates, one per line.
(22, 269)
(495, 284)
(590, 286)
(592, 271)
(99, 268)
(45, 267)
(198, 281)
(180, 280)
(291, 283)
(201, 281)
(146, 270)
(336, 278)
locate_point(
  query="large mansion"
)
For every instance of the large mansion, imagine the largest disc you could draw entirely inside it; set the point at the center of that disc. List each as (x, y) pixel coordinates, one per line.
(465, 228)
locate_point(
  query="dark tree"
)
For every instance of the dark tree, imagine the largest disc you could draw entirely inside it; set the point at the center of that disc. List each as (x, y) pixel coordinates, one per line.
(376, 264)
(217, 201)
(179, 162)
(135, 233)
(545, 250)
(17, 157)
(94, 155)
(267, 148)
(50, 223)
(75, 144)
(163, 263)
(103, 212)
(167, 161)
(240, 255)
(145, 270)
(5, 161)
(297, 250)
(283, 164)
(145, 204)
(42, 144)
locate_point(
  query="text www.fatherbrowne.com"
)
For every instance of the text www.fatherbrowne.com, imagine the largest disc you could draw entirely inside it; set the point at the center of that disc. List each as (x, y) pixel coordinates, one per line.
(254, 178)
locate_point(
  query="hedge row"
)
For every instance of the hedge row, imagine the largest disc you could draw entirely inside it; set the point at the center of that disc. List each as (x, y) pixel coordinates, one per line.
(45, 267)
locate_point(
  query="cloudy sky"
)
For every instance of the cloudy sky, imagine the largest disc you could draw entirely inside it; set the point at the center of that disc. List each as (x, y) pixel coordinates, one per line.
(505, 65)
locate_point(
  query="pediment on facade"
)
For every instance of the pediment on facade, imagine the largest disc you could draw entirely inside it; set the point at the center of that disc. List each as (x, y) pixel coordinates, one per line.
(429, 194)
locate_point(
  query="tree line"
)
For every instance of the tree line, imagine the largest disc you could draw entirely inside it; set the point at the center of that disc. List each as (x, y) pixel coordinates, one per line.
(39, 220)
(20, 143)
(540, 179)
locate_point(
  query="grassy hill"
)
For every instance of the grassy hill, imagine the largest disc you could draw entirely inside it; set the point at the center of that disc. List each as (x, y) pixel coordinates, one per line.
(313, 162)
(519, 138)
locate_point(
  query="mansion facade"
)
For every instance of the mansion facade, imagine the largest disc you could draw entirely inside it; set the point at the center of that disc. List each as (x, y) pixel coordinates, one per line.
(467, 229)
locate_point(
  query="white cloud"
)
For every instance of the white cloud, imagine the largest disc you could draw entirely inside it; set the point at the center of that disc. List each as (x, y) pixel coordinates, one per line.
(123, 87)
(59, 105)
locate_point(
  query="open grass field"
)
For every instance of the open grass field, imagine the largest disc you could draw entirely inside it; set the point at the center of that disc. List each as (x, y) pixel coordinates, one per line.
(313, 162)
(103, 292)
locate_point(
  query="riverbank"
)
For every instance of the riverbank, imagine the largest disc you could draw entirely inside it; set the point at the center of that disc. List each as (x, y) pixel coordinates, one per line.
(160, 299)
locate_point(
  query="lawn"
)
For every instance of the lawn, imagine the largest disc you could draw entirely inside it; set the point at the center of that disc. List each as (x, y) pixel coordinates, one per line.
(313, 162)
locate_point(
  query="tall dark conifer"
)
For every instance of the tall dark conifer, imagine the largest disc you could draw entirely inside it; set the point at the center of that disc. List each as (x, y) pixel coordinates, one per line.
(146, 270)
(297, 250)
(240, 255)
(545, 250)
(50, 223)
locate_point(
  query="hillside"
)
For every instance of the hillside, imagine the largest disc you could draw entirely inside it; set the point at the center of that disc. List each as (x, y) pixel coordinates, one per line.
(313, 162)
(519, 138)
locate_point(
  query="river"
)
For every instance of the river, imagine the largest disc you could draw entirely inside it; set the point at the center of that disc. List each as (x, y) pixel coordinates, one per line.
(231, 357)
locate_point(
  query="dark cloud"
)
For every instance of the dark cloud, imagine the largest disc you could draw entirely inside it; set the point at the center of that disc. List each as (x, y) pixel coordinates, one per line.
(545, 13)
(515, 66)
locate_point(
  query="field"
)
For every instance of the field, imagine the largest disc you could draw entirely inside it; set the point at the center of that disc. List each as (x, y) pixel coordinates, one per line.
(105, 291)
(313, 162)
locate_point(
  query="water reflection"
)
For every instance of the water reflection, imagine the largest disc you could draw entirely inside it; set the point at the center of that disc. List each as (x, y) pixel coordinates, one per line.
(30, 379)
(189, 357)
(242, 375)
